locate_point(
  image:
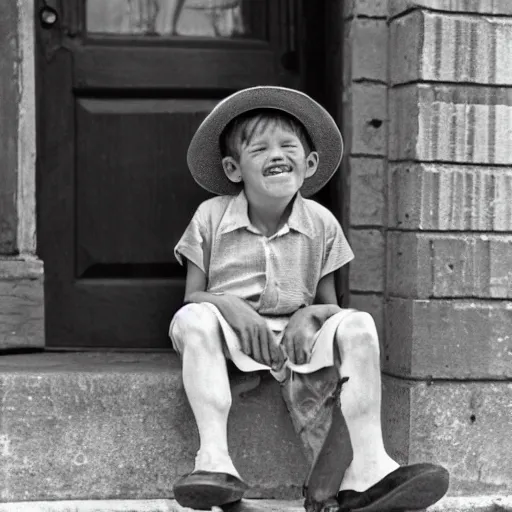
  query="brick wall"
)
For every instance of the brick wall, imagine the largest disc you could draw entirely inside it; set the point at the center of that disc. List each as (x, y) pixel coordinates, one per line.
(365, 78)
(428, 125)
(428, 119)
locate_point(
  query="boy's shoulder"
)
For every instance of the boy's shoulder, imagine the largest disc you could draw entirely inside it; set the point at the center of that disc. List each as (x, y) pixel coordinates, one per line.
(215, 203)
(320, 213)
(211, 210)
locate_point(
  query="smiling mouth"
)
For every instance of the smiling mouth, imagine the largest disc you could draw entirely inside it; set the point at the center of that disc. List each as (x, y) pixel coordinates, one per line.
(276, 170)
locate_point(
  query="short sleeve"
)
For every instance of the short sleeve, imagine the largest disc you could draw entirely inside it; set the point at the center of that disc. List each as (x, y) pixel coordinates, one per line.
(337, 249)
(195, 243)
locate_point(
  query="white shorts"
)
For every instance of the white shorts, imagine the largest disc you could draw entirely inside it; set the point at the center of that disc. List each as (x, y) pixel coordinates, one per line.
(322, 354)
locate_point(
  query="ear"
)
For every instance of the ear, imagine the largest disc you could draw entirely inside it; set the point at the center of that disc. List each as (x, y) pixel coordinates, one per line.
(311, 164)
(232, 169)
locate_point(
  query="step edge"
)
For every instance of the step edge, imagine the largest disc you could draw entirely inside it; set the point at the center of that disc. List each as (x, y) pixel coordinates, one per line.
(131, 505)
(447, 504)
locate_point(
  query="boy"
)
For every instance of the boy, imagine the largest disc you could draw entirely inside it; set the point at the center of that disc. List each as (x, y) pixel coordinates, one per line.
(260, 291)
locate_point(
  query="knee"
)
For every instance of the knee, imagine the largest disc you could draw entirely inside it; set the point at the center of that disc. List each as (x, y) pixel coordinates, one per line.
(357, 335)
(197, 328)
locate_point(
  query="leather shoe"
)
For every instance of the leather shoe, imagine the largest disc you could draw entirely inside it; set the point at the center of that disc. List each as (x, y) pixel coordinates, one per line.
(412, 487)
(202, 490)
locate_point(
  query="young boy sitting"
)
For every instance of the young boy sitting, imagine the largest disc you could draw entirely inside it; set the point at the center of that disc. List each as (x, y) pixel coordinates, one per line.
(260, 291)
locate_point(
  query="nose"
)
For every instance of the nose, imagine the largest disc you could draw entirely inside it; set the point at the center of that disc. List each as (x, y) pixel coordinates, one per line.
(276, 154)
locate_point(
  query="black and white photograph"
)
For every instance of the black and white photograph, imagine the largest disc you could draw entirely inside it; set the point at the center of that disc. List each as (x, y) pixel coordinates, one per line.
(256, 255)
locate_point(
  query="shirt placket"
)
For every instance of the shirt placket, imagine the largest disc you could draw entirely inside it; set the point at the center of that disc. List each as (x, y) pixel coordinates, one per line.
(270, 296)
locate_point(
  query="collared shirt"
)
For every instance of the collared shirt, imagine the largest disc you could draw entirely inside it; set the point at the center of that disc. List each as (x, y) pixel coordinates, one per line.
(276, 274)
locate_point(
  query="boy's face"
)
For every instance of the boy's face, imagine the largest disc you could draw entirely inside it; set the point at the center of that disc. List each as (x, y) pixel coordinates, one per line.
(272, 163)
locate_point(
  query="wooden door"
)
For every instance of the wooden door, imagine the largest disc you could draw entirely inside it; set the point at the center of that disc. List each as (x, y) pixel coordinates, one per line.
(122, 86)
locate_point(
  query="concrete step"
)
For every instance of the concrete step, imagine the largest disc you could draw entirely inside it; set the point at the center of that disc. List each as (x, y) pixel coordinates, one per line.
(97, 426)
(111, 432)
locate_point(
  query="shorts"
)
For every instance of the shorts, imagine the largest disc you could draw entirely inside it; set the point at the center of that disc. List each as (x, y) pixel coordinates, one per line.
(322, 354)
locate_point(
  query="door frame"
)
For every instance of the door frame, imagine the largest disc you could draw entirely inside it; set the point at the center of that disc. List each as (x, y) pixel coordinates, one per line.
(324, 82)
(322, 79)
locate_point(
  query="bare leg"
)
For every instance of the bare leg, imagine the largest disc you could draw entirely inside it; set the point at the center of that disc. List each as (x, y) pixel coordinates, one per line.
(361, 402)
(206, 383)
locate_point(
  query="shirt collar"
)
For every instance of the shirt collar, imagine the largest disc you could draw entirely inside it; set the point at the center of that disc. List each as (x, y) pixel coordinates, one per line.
(236, 216)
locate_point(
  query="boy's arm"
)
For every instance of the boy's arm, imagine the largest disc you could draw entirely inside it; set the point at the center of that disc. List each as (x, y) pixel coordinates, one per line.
(326, 302)
(196, 281)
(195, 287)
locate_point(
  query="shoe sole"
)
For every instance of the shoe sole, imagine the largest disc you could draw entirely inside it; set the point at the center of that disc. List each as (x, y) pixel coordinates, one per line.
(205, 496)
(417, 493)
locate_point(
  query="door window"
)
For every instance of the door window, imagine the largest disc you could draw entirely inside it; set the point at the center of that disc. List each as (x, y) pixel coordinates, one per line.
(190, 18)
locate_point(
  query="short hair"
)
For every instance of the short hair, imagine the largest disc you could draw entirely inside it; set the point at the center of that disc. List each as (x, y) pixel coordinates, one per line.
(244, 127)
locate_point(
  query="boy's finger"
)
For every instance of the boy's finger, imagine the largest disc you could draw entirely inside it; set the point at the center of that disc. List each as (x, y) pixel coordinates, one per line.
(300, 355)
(256, 343)
(266, 347)
(300, 350)
(290, 349)
(245, 342)
(276, 354)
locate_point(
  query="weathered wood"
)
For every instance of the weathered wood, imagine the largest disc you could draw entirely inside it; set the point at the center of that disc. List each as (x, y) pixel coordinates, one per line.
(9, 119)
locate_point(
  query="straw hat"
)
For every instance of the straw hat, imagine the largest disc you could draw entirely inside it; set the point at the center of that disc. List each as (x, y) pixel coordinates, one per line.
(204, 157)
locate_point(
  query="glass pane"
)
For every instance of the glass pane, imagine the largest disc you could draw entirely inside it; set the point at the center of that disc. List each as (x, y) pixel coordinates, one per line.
(193, 18)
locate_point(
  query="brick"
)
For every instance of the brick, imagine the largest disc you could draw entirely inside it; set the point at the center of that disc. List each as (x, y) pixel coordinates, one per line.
(366, 122)
(397, 7)
(16, 268)
(427, 265)
(450, 48)
(448, 339)
(367, 268)
(463, 124)
(368, 8)
(367, 201)
(21, 304)
(118, 426)
(464, 426)
(373, 304)
(454, 198)
(21, 313)
(367, 42)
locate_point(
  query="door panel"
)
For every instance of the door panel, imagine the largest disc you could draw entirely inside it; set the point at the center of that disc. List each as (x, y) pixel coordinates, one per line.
(131, 179)
(117, 107)
(155, 68)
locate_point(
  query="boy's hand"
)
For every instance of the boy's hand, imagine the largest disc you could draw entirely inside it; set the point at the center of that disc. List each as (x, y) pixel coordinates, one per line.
(301, 329)
(256, 339)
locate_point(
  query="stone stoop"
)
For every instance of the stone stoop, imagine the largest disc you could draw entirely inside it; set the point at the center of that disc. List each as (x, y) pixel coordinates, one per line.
(111, 432)
(100, 426)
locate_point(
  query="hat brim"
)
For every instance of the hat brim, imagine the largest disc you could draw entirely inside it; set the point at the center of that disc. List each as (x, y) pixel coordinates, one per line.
(204, 157)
